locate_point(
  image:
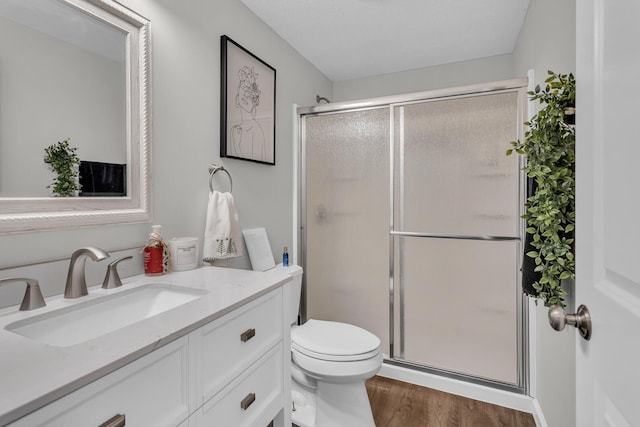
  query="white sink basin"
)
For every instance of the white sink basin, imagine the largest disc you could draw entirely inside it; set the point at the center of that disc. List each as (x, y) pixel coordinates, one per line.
(91, 319)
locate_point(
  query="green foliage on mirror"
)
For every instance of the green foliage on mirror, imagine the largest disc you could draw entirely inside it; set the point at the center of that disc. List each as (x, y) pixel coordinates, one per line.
(549, 148)
(64, 162)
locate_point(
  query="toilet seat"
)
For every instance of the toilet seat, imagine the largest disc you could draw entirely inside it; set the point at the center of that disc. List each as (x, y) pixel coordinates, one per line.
(337, 371)
(334, 341)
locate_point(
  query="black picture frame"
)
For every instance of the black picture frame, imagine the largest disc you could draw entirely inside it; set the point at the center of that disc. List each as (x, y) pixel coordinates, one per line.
(247, 105)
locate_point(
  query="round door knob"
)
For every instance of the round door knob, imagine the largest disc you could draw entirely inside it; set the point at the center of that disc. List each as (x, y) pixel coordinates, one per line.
(558, 319)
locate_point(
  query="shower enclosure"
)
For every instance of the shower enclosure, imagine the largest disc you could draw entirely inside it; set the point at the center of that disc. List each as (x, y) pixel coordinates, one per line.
(410, 227)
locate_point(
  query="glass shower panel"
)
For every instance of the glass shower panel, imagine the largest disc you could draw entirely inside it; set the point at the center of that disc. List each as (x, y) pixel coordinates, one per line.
(458, 307)
(460, 302)
(456, 176)
(347, 157)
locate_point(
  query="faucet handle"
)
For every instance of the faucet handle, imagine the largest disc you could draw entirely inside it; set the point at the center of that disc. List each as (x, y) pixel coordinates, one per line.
(32, 296)
(112, 278)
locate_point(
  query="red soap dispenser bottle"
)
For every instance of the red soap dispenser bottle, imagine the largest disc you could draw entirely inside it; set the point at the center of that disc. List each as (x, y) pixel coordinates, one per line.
(154, 253)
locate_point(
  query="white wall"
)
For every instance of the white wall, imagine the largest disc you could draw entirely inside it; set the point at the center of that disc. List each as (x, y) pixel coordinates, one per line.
(447, 75)
(547, 40)
(186, 116)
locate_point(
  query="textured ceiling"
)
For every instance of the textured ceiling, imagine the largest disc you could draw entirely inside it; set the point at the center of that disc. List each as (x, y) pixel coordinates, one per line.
(348, 39)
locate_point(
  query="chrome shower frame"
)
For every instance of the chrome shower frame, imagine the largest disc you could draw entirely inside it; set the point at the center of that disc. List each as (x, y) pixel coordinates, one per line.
(391, 102)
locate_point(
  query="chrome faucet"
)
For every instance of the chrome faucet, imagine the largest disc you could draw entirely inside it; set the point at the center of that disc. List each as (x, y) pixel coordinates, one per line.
(76, 280)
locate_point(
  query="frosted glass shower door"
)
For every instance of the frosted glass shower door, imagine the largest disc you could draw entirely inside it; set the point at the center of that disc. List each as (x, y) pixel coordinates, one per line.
(456, 235)
(346, 168)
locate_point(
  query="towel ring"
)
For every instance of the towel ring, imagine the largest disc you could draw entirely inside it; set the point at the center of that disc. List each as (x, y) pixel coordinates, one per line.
(212, 171)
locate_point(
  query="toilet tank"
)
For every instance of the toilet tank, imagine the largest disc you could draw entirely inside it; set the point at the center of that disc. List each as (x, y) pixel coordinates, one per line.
(293, 289)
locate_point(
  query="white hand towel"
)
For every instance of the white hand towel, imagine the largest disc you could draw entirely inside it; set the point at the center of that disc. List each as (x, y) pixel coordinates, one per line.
(222, 232)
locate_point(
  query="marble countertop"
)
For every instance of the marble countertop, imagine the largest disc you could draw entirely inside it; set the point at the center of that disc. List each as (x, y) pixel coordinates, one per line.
(33, 374)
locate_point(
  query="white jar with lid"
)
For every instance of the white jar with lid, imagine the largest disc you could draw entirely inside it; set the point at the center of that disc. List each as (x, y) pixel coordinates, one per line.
(184, 253)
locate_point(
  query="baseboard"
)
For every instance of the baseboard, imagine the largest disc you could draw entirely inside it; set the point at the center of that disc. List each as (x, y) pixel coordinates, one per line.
(507, 399)
(538, 416)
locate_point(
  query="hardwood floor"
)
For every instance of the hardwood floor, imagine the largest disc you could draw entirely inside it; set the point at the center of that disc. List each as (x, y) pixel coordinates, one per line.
(399, 404)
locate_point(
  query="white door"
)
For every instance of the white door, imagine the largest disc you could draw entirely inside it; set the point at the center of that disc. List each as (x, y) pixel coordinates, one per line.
(608, 211)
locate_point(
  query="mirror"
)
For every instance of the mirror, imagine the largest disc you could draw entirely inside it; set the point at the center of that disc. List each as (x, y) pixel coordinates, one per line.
(76, 70)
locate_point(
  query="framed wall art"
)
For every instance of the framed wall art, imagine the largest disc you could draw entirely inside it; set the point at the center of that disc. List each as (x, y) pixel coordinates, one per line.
(247, 105)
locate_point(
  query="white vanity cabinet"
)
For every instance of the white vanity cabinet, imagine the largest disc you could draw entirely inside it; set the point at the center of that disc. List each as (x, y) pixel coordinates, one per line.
(229, 372)
(234, 342)
(242, 365)
(253, 399)
(151, 391)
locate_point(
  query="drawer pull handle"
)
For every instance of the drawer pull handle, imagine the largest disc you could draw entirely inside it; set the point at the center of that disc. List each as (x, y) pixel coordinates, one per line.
(115, 421)
(247, 401)
(247, 335)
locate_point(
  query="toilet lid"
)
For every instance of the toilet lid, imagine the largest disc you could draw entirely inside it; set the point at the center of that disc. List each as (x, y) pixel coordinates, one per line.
(334, 341)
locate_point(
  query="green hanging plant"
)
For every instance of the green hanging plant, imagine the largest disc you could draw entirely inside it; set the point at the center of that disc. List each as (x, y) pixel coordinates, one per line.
(549, 148)
(64, 162)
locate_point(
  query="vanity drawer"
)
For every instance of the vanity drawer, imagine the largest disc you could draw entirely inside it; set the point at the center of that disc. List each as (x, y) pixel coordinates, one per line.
(237, 340)
(151, 391)
(253, 399)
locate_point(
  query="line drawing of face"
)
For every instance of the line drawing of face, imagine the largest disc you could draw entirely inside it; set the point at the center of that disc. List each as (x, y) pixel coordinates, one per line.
(247, 137)
(248, 94)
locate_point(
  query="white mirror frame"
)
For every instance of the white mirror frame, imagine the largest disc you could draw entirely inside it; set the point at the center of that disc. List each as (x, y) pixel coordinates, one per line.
(43, 213)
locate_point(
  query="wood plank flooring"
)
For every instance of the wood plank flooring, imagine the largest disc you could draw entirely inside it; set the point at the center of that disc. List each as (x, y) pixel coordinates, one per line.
(399, 404)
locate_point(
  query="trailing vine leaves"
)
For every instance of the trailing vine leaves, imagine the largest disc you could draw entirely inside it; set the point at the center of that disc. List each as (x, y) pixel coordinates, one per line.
(63, 160)
(549, 147)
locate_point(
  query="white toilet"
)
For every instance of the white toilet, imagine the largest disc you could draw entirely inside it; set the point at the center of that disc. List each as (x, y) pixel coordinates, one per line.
(330, 363)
